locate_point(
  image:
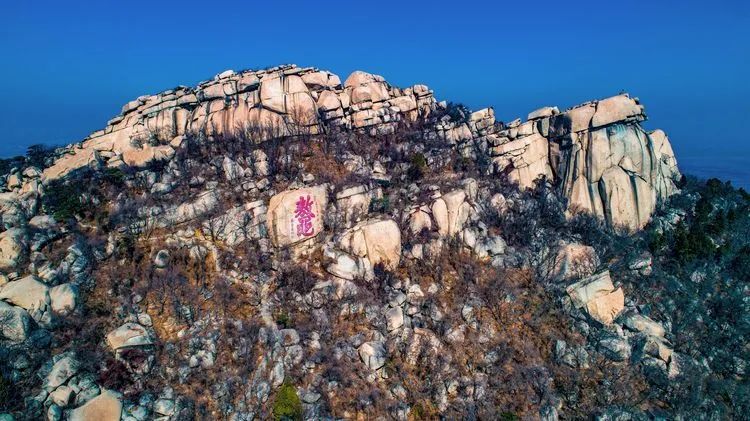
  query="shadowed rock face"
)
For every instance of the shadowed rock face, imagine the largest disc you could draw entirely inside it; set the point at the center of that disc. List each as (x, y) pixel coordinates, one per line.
(598, 154)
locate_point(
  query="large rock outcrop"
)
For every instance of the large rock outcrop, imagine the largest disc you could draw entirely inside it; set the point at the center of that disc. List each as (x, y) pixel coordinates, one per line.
(284, 100)
(12, 247)
(15, 323)
(378, 241)
(598, 154)
(129, 335)
(598, 296)
(296, 215)
(359, 249)
(105, 407)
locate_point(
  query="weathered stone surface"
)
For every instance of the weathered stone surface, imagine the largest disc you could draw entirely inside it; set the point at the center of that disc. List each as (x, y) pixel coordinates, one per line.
(165, 407)
(64, 298)
(573, 261)
(420, 220)
(63, 369)
(614, 109)
(589, 288)
(597, 153)
(440, 213)
(353, 204)
(489, 247)
(61, 396)
(366, 88)
(614, 348)
(458, 211)
(271, 102)
(656, 347)
(623, 202)
(15, 322)
(643, 324)
(666, 161)
(542, 112)
(599, 297)
(373, 354)
(272, 93)
(450, 212)
(27, 293)
(321, 80)
(105, 407)
(12, 248)
(11, 214)
(260, 163)
(141, 157)
(524, 160)
(378, 241)
(359, 78)
(394, 318)
(328, 101)
(232, 170)
(605, 308)
(129, 335)
(346, 267)
(296, 215)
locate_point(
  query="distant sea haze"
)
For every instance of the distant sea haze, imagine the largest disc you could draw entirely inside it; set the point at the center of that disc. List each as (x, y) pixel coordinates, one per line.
(733, 168)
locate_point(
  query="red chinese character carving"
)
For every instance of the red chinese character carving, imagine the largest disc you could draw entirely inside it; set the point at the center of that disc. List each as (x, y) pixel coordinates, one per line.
(304, 216)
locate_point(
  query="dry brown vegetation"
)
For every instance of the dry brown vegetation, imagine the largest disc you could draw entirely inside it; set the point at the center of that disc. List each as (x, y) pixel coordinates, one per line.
(504, 365)
(518, 323)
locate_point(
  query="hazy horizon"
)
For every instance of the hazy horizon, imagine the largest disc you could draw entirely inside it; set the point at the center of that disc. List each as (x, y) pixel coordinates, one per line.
(72, 67)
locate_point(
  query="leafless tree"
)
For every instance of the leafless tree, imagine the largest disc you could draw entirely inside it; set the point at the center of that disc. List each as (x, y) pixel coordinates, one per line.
(217, 224)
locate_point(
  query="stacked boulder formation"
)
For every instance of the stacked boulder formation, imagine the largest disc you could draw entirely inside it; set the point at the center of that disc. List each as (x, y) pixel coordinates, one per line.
(604, 162)
(597, 153)
(290, 265)
(265, 104)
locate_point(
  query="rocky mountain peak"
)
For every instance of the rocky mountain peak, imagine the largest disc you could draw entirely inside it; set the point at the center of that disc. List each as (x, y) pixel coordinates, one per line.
(603, 160)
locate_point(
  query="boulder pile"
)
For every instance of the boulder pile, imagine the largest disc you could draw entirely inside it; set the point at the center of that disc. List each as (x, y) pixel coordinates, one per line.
(598, 154)
(264, 104)
(603, 160)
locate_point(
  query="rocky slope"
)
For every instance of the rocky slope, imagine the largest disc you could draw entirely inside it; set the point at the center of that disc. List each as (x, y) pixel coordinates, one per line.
(276, 244)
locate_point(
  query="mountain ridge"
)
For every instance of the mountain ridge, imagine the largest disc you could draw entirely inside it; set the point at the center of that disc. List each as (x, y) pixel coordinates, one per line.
(288, 100)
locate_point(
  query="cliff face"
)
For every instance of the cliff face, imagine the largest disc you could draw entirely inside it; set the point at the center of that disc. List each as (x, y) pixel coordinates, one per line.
(602, 159)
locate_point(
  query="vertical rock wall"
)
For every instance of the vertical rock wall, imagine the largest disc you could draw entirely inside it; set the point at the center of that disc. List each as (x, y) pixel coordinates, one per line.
(598, 154)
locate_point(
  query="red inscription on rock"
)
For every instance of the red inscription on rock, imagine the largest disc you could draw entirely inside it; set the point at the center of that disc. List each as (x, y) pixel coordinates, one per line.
(304, 215)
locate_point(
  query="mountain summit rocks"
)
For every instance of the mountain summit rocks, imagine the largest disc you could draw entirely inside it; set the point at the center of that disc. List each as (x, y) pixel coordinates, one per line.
(598, 154)
(604, 162)
(284, 100)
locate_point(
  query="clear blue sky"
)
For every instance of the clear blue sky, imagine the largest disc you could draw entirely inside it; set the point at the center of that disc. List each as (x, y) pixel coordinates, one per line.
(69, 66)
